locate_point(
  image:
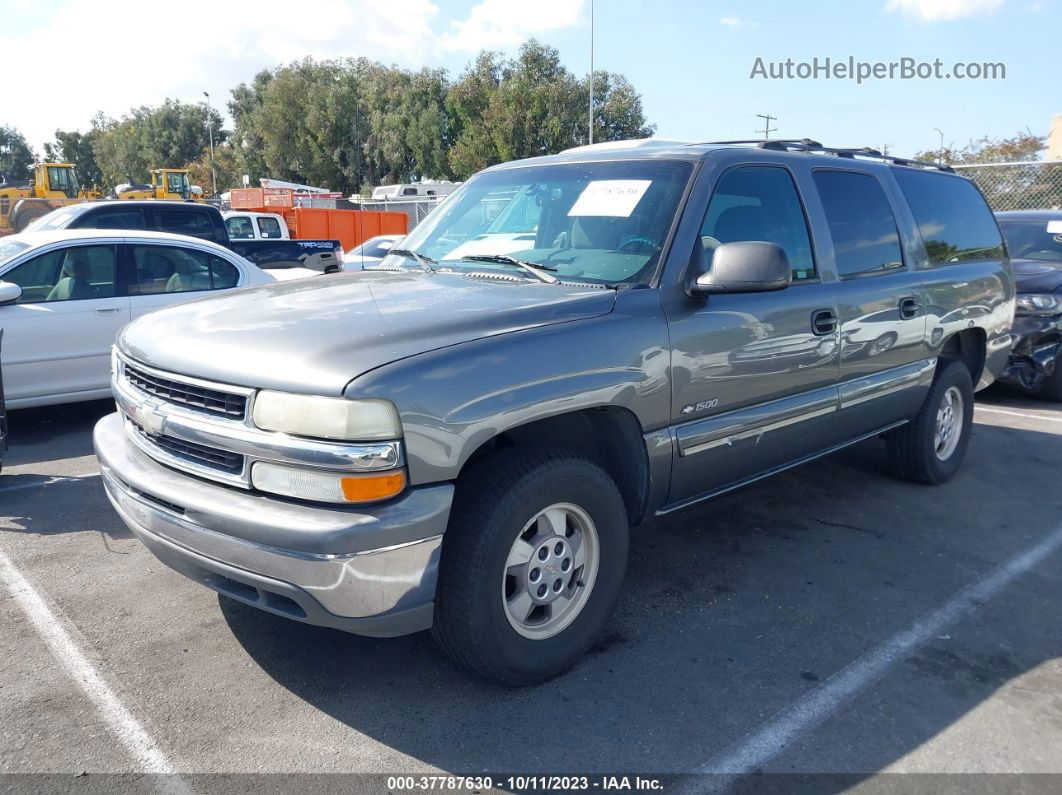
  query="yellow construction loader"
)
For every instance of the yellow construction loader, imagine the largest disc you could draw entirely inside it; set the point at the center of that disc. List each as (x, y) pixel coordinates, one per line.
(52, 185)
(166, 183)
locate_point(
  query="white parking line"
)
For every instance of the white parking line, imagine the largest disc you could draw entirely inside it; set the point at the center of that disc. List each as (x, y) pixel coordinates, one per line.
(1018, 414)
(146, 753)
(787, 726)
(44, 482)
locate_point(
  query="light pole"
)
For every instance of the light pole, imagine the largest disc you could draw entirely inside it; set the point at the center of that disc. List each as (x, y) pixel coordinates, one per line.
(590, 118)
(940, 156)
(210, 132)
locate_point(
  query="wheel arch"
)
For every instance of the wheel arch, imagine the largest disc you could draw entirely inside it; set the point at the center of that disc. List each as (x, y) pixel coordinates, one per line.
(968, 346)
(610, 436)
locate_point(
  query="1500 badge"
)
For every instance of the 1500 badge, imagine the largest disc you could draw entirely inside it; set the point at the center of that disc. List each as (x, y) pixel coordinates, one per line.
(704, 405)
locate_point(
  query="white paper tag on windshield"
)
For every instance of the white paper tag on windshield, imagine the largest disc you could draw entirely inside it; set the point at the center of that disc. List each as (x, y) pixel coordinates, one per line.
(1053, 227)
(615, 198)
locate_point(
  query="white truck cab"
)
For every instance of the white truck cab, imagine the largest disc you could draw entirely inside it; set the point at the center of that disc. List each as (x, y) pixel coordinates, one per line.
(243, 225)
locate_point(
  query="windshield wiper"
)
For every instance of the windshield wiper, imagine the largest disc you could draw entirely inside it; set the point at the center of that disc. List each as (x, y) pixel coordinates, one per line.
(423, 260)
(534, 268)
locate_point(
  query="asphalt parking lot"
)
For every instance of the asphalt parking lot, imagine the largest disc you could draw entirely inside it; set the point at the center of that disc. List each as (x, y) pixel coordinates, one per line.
(830, 620)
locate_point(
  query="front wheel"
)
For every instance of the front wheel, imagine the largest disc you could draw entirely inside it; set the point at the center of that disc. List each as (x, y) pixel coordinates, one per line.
(532, 564)
(931, 447)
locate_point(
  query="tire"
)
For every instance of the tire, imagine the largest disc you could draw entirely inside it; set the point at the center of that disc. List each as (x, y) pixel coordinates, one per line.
(477, 594)
(1051, 388)
(915, 451)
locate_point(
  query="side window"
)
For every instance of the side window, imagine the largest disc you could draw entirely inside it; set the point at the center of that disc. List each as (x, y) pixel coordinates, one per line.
(70, 274)
(196, 224)
(269, 227)
(759, 203)
(169, 269)
(862, 226)
(954, 220)
(112, 219)
(239, 228)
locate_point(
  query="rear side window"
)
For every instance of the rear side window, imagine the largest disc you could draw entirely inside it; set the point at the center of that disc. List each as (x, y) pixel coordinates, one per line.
(759, 203)
(239, 227)
(196, 224)
(170, 269)
(124, 218)
(269, 227)
(862, 226)
(952, 216)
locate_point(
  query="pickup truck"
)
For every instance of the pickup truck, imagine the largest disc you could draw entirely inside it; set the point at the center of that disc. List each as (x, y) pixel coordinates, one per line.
(300, 257)
(243, 225)
(685, 320)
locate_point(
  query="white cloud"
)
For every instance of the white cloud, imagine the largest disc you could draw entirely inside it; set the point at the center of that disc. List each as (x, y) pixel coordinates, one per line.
(499, 24)
(943, 10)
(128, 53)
(731, 22)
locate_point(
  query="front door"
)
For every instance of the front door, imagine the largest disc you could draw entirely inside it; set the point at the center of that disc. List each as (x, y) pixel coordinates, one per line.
(754, 375)
(58, 335)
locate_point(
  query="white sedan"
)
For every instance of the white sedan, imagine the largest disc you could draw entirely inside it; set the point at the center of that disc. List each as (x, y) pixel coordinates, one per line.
(64, 294)
(369, 253)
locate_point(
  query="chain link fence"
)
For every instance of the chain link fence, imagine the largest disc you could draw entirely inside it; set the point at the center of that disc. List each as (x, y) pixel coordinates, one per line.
(1029, 185)
(415, 209)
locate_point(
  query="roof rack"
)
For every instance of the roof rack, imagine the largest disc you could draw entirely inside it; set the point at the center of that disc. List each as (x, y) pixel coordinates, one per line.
(814, 147)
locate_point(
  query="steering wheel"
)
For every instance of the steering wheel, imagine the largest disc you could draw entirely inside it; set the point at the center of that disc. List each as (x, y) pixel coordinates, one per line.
(639, 245)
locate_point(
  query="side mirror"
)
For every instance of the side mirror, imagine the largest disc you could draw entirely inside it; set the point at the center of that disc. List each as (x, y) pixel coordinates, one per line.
(9, 292)
(749, 266)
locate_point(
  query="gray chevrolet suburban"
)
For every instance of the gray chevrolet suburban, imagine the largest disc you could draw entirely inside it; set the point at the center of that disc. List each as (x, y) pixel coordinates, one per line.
(568, 346)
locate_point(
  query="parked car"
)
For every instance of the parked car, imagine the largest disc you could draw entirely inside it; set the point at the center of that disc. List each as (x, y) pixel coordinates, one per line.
(3, 406)
(65, 294)
(473, 463)
(369, 253)
(1034, 241)
(409, 190)
(286, 259)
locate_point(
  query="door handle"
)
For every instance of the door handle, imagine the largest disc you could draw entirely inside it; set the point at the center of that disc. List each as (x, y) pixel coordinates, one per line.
(909, 308)
(823, 322)
(110, 311)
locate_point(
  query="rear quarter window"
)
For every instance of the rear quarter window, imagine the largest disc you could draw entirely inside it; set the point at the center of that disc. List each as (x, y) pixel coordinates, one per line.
(185, 222)
(952, 216)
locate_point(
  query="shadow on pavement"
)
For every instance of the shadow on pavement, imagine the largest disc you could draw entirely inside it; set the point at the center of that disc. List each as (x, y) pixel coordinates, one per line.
(731, 612)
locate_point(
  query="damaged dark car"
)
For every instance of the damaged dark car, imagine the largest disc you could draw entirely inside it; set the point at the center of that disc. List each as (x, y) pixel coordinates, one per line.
(1034, 241)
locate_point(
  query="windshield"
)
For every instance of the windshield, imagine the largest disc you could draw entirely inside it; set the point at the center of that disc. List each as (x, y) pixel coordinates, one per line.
(590, 222)
(10, 248)
(1039, 240)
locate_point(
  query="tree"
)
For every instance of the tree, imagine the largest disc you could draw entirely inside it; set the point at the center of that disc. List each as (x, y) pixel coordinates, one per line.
(16, 156)
(532, 105)
(227, 166)
(1020, 147)
(76, 148)
(166, 136)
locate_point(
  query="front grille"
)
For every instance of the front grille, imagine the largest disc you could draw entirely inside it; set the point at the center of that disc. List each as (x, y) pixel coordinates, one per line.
(200, 454)
(213, 401)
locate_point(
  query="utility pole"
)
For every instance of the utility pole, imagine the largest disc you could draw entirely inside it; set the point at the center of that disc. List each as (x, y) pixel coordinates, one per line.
(767, 128)
(590, 119)
(210, 132)
(940, 156)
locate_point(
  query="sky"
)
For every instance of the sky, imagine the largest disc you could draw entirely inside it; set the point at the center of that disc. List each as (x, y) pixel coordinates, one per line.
(691, 60)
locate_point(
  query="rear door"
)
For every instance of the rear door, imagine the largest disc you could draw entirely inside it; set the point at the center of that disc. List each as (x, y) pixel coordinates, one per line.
(885, 363)
(60, 331)
(165, 274)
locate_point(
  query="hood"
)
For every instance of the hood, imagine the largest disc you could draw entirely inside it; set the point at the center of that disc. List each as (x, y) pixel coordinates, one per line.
(1035, 276)
(315, 335)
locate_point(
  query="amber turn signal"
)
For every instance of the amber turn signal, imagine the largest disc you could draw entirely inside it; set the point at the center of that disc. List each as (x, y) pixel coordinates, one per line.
(369, 488)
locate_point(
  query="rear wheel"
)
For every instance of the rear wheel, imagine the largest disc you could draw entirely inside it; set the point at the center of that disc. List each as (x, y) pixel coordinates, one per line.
(930, 448)
(532, 564)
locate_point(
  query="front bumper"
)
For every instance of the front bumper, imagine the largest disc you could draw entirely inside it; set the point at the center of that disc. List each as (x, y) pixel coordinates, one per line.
(378, 579)
(1037, 344)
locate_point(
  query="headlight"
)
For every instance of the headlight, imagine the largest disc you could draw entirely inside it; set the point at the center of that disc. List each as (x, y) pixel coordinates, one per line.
(1043, 305)
(327, 418)
(322, 486)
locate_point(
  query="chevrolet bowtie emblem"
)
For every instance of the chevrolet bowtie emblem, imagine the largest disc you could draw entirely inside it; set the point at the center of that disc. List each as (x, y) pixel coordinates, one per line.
(149, 419)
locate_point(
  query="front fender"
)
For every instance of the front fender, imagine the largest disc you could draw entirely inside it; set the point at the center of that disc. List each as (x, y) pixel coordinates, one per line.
(454, 400)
